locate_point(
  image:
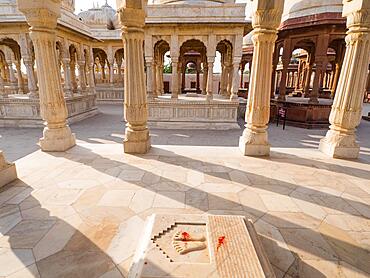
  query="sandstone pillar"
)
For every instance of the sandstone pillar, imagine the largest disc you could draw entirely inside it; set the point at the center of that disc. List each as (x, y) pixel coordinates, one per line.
(265, 21)
(223, 80)
(8, 172)
(2, 87)
(210, 62)
(91, 76)
(158, 79)
(205, 77)
(111, 72)
(132, 18)
(229, 79)
(32, 87)
(307, 81)
(19, 77)
(175, 76)
(345, 116)
(67, 77)
(236, 79)
(284, 71)
(12, 79)
(81, 76)
(149, 77)
(42, 16)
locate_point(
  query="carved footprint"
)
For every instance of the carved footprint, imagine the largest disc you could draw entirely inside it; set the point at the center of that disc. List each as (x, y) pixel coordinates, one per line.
(185, 247)
(192, 237)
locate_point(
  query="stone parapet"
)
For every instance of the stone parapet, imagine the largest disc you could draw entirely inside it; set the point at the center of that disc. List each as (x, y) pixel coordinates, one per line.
(25, 112)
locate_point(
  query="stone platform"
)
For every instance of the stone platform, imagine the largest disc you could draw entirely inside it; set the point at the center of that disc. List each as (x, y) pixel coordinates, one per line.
(199, 246)
(193, 112)
(22, 111)
(105, 93)
(300, 113)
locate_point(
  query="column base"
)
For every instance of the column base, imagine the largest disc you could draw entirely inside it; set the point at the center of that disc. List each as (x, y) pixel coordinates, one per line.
(209, 97)
(8, 172)
(57, 139)
(254, 144)
(176, 96)
(137, 142)
(338, 145)
(281, 97)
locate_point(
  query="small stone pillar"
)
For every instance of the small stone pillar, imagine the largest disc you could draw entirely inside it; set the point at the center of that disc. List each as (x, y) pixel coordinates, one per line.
(12, 79)
(32, 87)
(132, 18)
(175, 76)
(42, 16)
(283, 79)
(67, 77)
(345, 116)
(265, 21)
(19, 77)
(158, 79)
(91, 76)
(149, 76)
(236, 79)
(81, 76)
(8, 172)
(223, 85)
(229, 79)
(210, 62)
(205, 77)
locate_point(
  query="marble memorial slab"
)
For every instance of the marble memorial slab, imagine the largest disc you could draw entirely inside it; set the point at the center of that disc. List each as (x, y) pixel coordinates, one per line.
(199, 246)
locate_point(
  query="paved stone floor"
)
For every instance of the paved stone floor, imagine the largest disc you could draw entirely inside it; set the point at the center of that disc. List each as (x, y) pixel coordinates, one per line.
(80, 213)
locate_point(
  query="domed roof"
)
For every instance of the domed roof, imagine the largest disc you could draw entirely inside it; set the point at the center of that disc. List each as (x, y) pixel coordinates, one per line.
(99, 17)
(315, 8)
(193, 2)
(247, 40)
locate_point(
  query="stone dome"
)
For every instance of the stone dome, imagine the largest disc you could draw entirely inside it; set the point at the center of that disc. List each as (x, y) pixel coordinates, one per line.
(100, 17)
(247, 40)
(302, 8)
(192, 2)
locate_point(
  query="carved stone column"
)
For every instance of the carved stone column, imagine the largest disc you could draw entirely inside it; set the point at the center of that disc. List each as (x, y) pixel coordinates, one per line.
(91, 75)
(229, 79)
(205, 77)
(210, 62)
(149, 76)
(81, 76)
(8, 172)
(265, 21)
(19, 78)
(67, 77)
(2, 87)
(307, 81)
(236, 79)
(223, 80)
(111, 72)
(132, 18)
(32, 87)
(158, 79)
(175, 76)
(12, 79)
(42, 17)
(345, 116)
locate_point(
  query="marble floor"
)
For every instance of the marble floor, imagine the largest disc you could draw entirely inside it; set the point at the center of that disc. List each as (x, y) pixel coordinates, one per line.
(80, 213)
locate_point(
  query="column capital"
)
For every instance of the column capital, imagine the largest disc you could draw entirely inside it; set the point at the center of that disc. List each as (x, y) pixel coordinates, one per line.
(267, 14)
(357, 13)
(40, 14)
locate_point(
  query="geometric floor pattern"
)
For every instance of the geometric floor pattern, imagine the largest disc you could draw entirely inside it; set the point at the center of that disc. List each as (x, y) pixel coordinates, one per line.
(80, 213)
